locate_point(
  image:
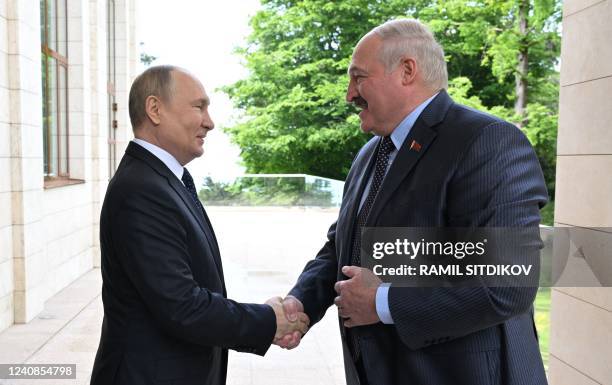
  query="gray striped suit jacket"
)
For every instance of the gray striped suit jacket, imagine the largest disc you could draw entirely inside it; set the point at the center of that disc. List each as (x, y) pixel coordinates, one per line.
(472, 170)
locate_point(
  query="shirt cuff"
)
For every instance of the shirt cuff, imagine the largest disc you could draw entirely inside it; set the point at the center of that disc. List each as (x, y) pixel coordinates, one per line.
(382, 304)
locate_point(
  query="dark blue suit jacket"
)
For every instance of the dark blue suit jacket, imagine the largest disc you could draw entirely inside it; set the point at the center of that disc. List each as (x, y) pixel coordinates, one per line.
(472, 170)
(166, 316)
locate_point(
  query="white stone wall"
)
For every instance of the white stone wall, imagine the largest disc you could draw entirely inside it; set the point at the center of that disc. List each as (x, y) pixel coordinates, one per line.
(26, 158)
(49, 236)
(581, 319)
(6, 234)
(99, 116)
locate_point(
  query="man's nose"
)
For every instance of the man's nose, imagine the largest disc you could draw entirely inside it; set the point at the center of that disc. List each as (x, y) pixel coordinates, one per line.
(351, 92)
(207, 121)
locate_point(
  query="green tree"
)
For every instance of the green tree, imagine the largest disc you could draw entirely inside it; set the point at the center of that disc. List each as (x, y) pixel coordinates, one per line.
(145, 58)
(517, 43)
(295, 118)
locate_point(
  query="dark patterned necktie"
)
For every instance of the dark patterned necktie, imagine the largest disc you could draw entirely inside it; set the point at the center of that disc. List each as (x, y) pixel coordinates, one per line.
(188, 181)
(380, 169)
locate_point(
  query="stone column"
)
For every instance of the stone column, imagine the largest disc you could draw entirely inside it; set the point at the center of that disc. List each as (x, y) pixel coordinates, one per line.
(581, 319)
(25, 119)
(6, 217)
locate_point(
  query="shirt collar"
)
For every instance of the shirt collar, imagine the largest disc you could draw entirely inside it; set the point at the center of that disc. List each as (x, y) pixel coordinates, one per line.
(400, 133)
(162, 155)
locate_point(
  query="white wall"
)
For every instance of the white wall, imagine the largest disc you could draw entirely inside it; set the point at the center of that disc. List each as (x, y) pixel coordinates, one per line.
(6, 234)
(49, 236)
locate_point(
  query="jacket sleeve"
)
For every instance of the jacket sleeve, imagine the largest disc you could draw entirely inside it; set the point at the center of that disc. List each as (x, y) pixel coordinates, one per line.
(498, 183)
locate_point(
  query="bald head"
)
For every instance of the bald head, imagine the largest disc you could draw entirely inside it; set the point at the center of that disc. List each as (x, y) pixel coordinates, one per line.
(410, 38)
(155, 81)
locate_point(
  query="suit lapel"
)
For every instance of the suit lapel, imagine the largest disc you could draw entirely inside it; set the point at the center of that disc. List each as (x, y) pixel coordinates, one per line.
(215, 248)
(352, 206)
(202, 220)
(405, 160)
(178, 187)
(414, 147)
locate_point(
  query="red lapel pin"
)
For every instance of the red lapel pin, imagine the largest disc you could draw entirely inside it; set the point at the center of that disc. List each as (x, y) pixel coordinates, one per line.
(416, 146)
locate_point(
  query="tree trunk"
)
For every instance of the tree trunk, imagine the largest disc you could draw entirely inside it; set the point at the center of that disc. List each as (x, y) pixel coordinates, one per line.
(523, 64)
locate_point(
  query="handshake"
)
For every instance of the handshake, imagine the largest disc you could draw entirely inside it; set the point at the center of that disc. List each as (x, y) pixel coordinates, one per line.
(291, 321)
(356, 302)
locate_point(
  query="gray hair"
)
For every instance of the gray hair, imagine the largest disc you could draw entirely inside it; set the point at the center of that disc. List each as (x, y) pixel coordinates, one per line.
(409, 37)
(156, 81)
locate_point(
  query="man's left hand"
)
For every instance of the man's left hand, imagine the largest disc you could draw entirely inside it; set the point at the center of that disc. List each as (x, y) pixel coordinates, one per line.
(356, 300)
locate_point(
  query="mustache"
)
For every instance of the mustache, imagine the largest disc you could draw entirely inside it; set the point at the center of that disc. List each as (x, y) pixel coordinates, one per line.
(360, 102)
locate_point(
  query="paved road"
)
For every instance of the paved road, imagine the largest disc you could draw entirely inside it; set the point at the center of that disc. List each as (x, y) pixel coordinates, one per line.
(263, 251)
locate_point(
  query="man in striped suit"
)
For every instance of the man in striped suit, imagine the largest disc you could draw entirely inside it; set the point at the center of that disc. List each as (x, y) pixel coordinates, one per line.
(431, 163)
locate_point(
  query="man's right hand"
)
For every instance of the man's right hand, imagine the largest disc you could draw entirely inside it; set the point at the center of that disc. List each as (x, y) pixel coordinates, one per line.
(291, 321)
(292, 307)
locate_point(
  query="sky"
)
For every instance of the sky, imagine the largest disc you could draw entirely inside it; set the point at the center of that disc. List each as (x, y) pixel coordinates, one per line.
(200, 35)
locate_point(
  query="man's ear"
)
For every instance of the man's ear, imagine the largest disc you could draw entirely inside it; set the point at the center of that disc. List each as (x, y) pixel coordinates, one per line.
(153, 109)
(409, 70)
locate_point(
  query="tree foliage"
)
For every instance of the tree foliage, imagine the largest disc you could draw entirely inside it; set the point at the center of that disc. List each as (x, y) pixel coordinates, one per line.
(145, 58)
(294, 115)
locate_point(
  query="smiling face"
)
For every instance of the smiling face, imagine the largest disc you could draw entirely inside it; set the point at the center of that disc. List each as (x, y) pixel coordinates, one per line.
(184, 120)
(380, 95)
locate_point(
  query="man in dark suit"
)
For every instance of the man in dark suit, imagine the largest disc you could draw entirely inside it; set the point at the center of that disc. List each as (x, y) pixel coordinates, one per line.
(166, 316)
(432, 163)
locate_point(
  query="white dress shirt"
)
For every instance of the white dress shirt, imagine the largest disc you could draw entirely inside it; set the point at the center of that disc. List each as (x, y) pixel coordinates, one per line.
(398, 137)
(164, 156)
